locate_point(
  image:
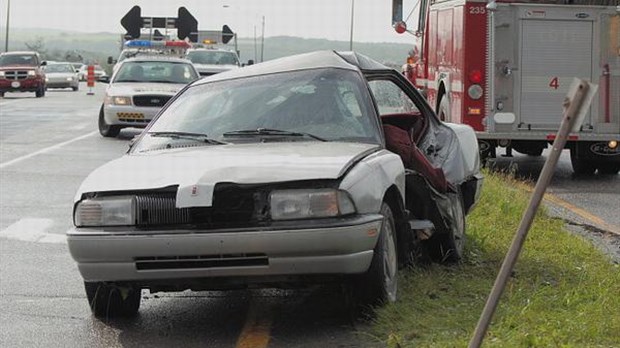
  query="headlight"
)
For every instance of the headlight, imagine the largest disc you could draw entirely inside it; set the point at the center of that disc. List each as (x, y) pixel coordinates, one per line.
(308, 204)
(118, 100)
(69, 78)
(1, 73)
(47, 79)
(31, 73)
(105, 211)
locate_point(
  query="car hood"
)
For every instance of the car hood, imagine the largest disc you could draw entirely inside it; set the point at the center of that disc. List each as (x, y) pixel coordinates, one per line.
(196, 171)
(135, 88)
(19, 67)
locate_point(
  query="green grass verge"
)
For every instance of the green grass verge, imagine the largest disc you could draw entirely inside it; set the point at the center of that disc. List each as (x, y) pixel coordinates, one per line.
(564, 292)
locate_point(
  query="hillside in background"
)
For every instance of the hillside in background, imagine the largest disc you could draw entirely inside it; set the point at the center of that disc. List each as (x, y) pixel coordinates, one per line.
(61, 45)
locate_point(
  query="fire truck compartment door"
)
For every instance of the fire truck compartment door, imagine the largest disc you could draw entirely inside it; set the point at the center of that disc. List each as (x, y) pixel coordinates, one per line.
(553, 53)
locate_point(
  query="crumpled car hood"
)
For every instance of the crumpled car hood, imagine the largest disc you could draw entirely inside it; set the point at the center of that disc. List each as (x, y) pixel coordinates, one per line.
(134, 88)
(197, 170)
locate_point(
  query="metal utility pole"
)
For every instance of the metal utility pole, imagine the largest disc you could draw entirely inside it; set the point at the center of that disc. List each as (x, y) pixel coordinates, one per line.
(8, 11)
(262, 41)
(352, 15)
(255, 46)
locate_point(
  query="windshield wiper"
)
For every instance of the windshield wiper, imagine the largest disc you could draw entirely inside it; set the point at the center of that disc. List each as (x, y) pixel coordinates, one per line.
(271, 131)
(187, 135)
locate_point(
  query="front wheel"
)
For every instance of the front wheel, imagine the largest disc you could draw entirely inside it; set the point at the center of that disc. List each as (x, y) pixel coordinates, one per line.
(109, 300)
(107, 130)
(40, 92)
(380, 283)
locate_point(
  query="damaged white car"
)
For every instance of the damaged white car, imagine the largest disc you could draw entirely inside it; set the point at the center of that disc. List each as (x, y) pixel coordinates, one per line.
(320, 167)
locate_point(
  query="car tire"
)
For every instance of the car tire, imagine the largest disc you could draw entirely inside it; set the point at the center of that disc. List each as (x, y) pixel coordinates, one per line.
(107, 130)
(608, 168)
(76, 88)
(1, 94)
(111, 301)
(379, 284)
(449, 247)
(580, 165)
(40, 92)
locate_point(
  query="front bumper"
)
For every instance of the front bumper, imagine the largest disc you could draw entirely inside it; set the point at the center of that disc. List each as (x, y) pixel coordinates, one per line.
(62, 83)
(129, 115)
(190, 254)
(23, 85)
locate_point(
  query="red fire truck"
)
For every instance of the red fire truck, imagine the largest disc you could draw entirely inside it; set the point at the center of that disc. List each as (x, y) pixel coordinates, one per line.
(504, 67)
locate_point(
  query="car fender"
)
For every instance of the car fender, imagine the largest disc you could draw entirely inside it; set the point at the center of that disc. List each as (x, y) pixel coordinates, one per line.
(368, 181)
(468, 144)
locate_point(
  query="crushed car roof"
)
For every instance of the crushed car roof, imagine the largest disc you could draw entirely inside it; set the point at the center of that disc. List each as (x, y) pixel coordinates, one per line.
(312, 60)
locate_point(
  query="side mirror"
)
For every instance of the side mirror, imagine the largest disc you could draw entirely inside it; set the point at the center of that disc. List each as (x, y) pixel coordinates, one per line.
(111, 60)
(250, 62)
(43, 63)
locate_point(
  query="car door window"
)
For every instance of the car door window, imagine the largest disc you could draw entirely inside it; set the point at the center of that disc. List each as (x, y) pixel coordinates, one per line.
(391, 99)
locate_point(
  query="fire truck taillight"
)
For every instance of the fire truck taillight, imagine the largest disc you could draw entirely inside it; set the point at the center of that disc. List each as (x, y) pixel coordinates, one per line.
(475, 76)
(474, 92)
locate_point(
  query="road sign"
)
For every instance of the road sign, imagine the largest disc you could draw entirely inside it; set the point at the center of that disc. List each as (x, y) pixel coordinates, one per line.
(185, 23)
(132, 22)
(227, 34)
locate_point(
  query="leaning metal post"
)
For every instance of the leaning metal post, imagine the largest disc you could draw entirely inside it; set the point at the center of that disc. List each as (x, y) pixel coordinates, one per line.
(573, 106)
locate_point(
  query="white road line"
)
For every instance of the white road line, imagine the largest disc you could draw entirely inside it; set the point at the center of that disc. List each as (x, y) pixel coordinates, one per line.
(33, 230)
(47, 149)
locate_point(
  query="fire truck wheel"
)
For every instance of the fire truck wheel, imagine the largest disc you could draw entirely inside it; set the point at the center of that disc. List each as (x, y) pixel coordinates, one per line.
(443, 111)
(580, 165)
(449, 247)
(608, 168)
(106, 130)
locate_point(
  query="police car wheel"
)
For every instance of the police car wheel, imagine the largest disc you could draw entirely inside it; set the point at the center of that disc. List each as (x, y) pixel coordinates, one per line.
(106, 130)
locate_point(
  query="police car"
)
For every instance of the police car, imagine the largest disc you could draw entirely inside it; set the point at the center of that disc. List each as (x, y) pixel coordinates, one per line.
(210, 61)
(139, 88)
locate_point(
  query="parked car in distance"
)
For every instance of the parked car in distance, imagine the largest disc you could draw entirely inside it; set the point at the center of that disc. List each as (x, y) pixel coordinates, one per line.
(139, 88)
(61, 75)
(100, 74)
(321, 167)
(210, 61)
(21, 71)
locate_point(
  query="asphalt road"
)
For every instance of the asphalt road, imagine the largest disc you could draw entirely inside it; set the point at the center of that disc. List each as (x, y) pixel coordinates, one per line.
(48, 146)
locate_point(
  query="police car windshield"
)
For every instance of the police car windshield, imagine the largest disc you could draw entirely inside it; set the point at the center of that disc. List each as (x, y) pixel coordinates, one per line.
(156, 71)
(213, 57)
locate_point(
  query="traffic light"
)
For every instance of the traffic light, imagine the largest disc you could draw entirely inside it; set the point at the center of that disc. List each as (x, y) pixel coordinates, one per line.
(187, 25)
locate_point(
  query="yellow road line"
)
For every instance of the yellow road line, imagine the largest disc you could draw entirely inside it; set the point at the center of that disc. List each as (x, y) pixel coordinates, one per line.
(256, 331)
(595, 220)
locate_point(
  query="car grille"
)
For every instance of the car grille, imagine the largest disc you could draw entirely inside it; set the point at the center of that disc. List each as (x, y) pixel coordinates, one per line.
(16, 75)
(151, 100)
(200, 261)
(159, 210)
(233, 207)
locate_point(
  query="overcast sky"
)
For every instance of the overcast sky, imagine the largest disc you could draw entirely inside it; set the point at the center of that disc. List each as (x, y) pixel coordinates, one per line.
(328, 19)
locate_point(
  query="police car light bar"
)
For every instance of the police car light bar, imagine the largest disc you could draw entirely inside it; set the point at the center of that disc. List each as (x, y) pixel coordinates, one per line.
(156, 44)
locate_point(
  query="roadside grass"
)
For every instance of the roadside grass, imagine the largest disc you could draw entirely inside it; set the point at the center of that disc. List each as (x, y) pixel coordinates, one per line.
(563, 293)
